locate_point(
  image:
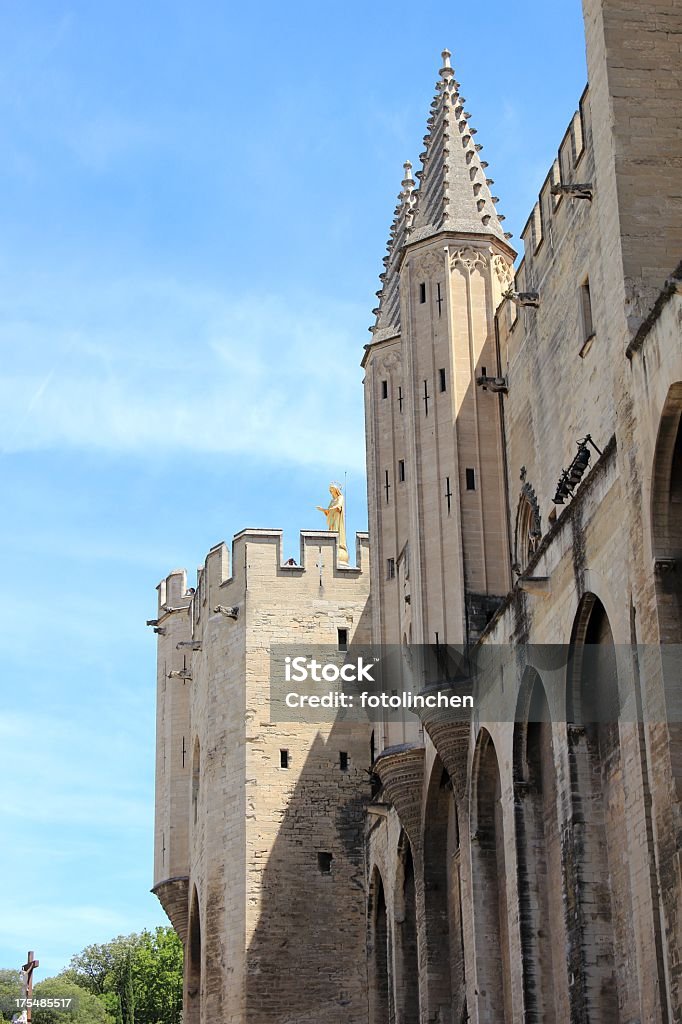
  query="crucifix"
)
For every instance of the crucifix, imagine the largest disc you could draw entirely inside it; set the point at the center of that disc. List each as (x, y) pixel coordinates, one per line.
(387, 488)
(26, 976)
(426, 399)
(448, 492)
(320, 564)
(439, 298)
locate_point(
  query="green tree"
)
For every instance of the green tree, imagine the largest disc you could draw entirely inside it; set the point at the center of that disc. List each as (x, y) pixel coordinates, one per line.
(10, 991)
(155, 967)
(157, 973)
(85, 1008)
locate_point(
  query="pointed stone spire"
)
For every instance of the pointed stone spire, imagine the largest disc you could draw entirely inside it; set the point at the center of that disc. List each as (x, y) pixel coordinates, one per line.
(388, 310)
(453, 193)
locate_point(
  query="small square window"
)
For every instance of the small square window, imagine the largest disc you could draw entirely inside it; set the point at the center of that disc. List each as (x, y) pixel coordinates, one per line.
(390, 568)
(343, 639)
(442, 380)
(401, 471)
(324, 863)
(284, 758)
(471, 479)
(422, 292)
(343, 760)
(384, 389)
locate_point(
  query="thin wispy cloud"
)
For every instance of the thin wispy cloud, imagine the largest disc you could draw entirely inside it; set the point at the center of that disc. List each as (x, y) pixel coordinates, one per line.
(243, 376)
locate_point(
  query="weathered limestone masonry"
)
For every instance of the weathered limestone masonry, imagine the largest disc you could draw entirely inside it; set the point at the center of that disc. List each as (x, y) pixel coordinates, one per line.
(527, 867)
(524, 866)
(272, 931)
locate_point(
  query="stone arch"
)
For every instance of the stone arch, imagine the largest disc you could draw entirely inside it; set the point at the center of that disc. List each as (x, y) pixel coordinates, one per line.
(379, 953)
(406, 953)
(444, 989)
(597, 885)
(491, 918)
(538, 857)
(193, 964)
(196, 779)
(666, 517)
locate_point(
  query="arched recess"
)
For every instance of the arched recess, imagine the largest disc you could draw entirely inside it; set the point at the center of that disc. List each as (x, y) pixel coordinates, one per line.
(377, 947)
(527, 529)
(444, 991)
(666, 517)
(666, 531)
(538, 856)
(596, 878)
(192, 1009)
(406, 955)
(196, 778)
(491, 916)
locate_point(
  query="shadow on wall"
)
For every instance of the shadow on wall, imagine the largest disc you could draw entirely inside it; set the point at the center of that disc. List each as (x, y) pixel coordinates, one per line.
(306, 959)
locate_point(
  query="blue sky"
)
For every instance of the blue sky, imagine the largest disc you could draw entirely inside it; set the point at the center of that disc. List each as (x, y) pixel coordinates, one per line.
(195, 205)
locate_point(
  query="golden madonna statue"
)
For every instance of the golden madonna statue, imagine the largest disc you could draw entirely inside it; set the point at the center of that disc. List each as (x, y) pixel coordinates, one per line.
(336, 519)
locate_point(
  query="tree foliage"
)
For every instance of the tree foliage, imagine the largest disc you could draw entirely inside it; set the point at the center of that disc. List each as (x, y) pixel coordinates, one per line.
(144, 971)
(134, 979)
(84, 1009)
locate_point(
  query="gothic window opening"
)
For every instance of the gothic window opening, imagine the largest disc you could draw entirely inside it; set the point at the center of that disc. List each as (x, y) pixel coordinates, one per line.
(470, 478)
(401, 471)
(384, 389)
(422, 292)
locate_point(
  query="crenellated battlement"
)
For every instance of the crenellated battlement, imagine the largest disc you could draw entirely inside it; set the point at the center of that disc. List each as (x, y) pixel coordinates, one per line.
(258, 554)
(555, 213)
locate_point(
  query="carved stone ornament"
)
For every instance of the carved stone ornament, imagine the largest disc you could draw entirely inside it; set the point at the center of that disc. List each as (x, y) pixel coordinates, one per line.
(503, 272)
(391, 361)
(469, 259)
(428, 264)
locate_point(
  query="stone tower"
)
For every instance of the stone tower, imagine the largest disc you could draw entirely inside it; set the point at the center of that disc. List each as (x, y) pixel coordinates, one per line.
(259, 859)
(440, 552)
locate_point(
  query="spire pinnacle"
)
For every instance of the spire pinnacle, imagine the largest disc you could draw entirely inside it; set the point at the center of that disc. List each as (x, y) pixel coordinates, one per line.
(453, 193)
(388, 311)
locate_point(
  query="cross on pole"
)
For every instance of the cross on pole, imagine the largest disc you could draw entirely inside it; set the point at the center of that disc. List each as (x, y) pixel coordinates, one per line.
(439, 298)
(448, 492)
(27, 981)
